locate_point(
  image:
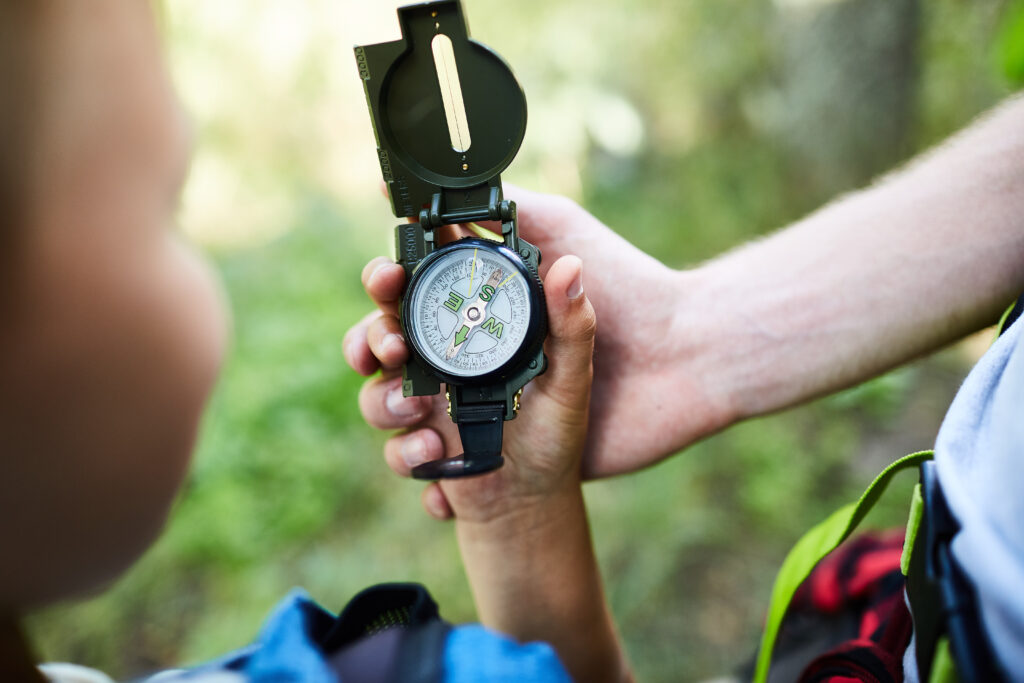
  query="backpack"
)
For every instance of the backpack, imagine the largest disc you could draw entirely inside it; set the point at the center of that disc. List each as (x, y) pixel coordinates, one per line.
(949, 639)
(387, 633)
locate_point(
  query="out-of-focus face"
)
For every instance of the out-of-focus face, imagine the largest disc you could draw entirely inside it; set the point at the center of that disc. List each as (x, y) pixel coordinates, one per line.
(111, 332)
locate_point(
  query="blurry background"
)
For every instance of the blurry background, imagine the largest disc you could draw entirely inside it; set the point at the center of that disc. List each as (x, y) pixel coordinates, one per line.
(689, 127)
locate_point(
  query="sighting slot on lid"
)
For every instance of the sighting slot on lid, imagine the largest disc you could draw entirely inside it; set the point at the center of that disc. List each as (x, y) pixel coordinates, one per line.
(451, 92)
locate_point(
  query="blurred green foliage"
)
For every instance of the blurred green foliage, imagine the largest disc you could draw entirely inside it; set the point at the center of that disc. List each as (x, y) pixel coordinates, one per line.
(676, 123)
(1011, 44)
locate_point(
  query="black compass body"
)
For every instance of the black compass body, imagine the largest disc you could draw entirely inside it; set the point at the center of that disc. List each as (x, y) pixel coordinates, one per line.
(449, 117)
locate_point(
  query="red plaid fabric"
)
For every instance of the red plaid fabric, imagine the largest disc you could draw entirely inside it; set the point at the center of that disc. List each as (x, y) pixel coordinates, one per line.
(860, 586)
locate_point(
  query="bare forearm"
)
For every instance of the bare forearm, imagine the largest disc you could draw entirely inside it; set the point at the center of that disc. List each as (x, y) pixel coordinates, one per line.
(924, 257)
(534, 577)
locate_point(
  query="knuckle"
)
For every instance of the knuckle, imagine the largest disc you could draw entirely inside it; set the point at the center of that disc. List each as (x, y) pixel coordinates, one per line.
(588, 322)
(374, 332)
(370, 404)
(361, 359)
(382, 326)
(353, 337)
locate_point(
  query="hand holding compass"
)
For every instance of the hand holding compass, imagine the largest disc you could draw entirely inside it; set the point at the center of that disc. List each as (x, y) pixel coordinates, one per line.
(629, 427)
(542, 445)
(633, 292)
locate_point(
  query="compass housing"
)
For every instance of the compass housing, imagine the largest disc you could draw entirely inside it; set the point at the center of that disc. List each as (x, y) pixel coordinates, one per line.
(536, 327)
(449, 117)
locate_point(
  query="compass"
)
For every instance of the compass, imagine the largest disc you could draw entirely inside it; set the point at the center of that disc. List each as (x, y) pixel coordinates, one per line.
(449, 117)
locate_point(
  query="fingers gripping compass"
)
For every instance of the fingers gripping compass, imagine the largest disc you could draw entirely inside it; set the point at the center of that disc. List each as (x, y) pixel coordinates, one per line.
(449, 117)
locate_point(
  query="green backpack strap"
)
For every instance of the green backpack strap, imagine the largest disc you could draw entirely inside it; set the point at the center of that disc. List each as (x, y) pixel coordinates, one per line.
(813, 547)
(1010, 315)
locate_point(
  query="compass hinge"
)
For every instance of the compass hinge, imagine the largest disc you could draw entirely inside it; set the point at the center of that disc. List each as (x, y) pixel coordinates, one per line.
(466, 206)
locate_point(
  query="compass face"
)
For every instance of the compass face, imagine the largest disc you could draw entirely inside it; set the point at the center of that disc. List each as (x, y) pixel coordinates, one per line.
(470, 310)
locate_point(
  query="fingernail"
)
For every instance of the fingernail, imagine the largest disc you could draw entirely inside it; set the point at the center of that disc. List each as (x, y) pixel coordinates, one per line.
(401, 406)
(382, 264)
(394, 344)
(414, 450)
(575, 289)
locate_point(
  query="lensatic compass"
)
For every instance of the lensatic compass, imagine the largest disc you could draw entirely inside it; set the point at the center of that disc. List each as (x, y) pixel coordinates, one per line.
(449, 117)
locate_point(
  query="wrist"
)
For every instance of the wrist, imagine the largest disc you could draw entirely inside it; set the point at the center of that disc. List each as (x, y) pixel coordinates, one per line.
(524, 516)
(534, 576)
(704, 327)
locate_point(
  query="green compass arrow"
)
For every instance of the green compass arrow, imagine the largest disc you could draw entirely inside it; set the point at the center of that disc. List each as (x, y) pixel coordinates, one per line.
(461, 335)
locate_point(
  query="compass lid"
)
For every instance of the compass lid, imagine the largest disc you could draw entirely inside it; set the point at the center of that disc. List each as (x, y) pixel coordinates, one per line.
(448, 113)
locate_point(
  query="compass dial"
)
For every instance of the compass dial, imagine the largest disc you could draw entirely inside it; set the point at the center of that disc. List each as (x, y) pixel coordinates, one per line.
(470, 309)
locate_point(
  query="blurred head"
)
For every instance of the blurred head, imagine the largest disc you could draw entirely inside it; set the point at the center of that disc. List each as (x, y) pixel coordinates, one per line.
(111, 332)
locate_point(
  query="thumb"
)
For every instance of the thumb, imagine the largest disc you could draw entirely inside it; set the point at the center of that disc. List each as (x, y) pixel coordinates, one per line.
(571, 327)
